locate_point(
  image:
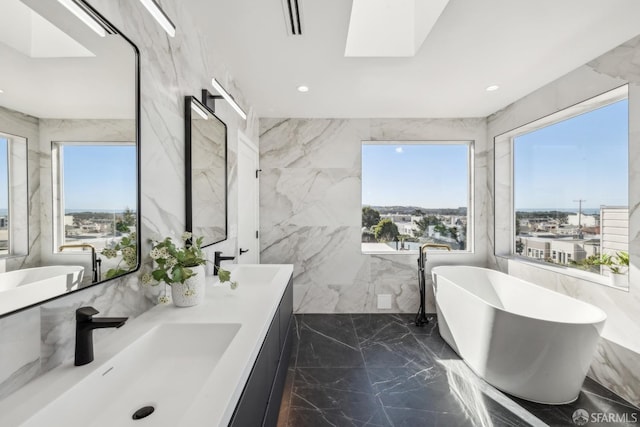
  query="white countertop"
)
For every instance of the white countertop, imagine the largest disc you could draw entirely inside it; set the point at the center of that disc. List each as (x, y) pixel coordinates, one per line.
(251, 305)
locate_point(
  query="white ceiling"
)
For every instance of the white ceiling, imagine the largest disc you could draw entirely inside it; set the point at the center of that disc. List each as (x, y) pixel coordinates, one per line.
(37, 82)
(520, 45)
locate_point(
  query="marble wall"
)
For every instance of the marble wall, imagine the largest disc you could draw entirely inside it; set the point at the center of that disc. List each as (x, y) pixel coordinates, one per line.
(39, 339)
(16, 123)
(310, 210)
(617, 362)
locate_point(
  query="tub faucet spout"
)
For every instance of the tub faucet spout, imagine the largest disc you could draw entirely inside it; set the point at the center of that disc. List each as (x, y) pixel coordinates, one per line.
(95, 261)
(421, 316)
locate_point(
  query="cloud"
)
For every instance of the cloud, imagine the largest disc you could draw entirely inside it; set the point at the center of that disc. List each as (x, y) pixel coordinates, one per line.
(399, 150)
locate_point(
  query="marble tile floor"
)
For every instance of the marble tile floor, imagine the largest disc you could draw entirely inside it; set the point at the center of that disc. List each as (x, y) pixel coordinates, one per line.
(380, 370)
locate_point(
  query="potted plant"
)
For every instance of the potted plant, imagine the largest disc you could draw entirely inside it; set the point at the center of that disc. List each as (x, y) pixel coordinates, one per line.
(128, 247)
(619, 269)
(182, 268)
(618, 266)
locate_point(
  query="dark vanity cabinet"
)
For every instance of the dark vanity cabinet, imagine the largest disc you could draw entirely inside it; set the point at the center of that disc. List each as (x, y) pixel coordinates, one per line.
(260, 401)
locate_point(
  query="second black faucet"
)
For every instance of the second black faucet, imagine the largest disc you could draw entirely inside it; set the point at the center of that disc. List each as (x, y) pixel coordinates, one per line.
(217, 258)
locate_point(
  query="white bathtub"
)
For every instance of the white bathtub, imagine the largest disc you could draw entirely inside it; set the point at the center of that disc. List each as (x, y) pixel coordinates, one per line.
(21, 288)
(523, 339)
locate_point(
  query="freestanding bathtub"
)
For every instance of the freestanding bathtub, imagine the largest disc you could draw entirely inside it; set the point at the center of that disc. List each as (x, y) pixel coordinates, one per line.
(20, 288)
(523, 339)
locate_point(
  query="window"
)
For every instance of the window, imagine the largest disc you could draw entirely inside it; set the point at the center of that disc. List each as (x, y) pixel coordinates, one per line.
(14, 196)
(415, 193)
(4, 195)
(570, 183)
(95, 193)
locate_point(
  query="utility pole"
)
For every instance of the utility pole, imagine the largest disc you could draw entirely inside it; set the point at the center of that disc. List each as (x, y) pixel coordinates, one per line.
(580, 216)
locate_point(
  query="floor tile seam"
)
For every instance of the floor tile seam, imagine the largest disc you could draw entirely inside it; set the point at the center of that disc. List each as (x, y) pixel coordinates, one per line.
(384, 412)
(355, 331)
(336, 389)
(333, 339)
(331, 367)
(339, 415)
(610, 400)
(293, 382)
(430, 411)
(378, 400)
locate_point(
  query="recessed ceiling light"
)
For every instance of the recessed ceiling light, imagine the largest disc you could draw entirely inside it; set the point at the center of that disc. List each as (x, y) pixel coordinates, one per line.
(1, 91)
(303, 88)
(492, 88)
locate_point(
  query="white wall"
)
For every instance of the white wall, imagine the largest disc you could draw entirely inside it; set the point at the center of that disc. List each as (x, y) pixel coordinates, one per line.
(310, 210)
(617, 362)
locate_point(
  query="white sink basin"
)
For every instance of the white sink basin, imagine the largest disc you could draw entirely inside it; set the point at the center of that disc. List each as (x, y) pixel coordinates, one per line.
(165, 369)
(247, 274)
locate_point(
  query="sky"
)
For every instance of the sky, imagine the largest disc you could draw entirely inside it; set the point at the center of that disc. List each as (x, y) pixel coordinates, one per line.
(585, 157)
(101, 177)
(424, 175)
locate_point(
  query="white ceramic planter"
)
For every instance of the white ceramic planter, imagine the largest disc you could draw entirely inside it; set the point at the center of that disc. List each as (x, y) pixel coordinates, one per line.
(619, 280)
(191, 292)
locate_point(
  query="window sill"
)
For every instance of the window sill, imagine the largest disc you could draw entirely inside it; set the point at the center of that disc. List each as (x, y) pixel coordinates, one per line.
(566, 271)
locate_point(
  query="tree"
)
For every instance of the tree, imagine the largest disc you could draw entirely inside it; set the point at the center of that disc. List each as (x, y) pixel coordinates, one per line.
(424, 223)
(370, 217)
(385, 230)
(453, 231)
(122, 227)
(128, 217)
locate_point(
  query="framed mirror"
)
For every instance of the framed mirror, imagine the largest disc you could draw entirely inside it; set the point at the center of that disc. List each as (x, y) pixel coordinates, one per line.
(69, 152)
(206, 172)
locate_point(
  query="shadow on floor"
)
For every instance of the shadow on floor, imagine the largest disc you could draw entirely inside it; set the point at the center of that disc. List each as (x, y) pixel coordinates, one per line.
(381, 370)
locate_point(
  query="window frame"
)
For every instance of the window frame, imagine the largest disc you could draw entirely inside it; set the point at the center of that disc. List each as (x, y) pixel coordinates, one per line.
(18, 201)
(470, 232)
(57, 191)
(505, 237)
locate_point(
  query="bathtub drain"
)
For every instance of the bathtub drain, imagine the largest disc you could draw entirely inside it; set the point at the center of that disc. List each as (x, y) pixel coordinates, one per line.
(143, 412)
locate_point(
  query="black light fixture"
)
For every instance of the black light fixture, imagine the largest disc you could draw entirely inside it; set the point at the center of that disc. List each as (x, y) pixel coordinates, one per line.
(223, 94)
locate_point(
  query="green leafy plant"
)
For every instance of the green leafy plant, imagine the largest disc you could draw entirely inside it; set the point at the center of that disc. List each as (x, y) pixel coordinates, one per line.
(619, 263)
(172, 263)
(128, 247)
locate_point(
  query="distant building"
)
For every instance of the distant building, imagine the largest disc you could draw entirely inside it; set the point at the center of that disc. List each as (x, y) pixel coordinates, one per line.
(536, 247)
(614, 229)
(396, 218)
(4, 223)
(584, 220)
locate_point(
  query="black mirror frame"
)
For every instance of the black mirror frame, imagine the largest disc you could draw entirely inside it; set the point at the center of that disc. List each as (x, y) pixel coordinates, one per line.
(136, 52)
(188, 100)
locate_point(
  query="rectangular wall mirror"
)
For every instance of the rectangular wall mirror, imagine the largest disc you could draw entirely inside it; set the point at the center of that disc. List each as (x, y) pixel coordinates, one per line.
(206, 172)
(69, 153)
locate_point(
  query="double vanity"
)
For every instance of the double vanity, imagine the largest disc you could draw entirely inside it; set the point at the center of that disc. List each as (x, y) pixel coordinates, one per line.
(219, 363)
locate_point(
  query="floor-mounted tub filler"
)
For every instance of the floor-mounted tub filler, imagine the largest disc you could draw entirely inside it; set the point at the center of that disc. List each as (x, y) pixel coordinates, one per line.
(523, 339)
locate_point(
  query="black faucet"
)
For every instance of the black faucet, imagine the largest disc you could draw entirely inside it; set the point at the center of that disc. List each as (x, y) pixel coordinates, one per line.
(85, 324)
(217, 257)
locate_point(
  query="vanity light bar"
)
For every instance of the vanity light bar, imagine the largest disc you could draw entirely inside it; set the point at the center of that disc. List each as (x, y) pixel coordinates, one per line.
(156, 11)
(228, 98)
(86, 15)
(195, 107)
